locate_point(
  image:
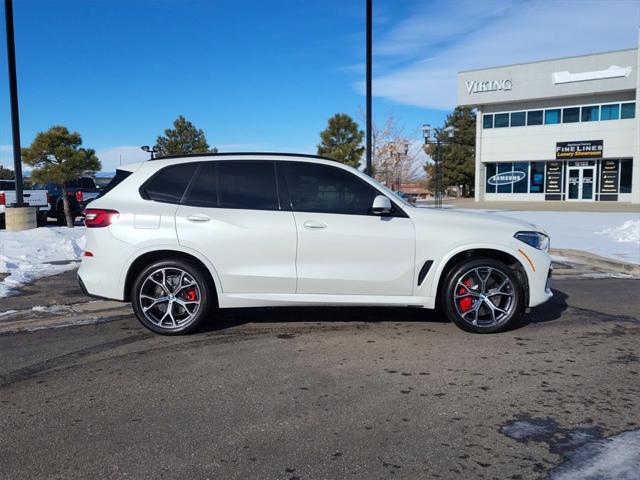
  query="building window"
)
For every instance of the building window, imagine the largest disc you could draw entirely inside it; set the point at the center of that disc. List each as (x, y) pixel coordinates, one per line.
(487, 121)
(590, 114)
(626, 169)
(521, 186)
(552, 116)
(490, 172)
(537, 177)
(518, 119)
(534, 117)
(610, 112)
(501, 120)
(570, 115)
(504, 168)
(628, 110)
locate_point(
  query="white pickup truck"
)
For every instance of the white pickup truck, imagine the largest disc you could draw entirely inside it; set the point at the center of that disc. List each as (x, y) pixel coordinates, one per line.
(35, 198)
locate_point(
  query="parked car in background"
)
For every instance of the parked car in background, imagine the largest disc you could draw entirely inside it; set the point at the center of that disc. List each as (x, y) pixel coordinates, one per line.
(35, 198)
(179, 237)
(80, 192)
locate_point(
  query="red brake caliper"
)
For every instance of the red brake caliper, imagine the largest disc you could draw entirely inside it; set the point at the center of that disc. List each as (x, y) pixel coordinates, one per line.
(191, 295)
(466, 302)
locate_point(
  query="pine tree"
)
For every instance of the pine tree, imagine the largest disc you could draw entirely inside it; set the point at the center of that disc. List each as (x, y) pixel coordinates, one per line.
(342, 140)
(6, 174)
(457, 154)
(182, 139)
(57, 157)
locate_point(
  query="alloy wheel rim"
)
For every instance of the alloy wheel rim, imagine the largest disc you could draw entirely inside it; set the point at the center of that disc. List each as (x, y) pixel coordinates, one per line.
(170, 298)
(484, 297)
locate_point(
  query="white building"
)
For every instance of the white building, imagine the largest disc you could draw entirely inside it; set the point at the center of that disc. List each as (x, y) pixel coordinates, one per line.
(557, 130)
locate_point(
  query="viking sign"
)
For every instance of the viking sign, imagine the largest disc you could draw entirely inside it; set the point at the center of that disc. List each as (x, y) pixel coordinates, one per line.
(474, 86)
(507, 178)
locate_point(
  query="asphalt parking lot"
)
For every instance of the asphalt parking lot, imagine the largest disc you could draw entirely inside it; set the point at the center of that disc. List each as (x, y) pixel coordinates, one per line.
(327, 393)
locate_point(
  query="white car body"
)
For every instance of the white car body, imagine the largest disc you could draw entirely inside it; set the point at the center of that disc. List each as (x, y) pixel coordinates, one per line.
(283, 257)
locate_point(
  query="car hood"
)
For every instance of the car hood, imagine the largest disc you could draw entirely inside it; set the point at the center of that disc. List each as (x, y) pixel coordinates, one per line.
(471, 220)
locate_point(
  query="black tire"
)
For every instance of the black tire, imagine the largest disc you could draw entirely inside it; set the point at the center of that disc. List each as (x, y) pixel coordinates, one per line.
(61, 220)
(468, 304)
(41, 219)
(204, 292)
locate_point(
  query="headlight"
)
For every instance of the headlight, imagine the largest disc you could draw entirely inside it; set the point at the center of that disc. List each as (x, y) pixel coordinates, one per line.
(535, 239)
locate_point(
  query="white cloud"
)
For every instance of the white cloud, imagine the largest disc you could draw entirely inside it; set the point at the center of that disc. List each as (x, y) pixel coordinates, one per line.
(461, 36)
(113, 157)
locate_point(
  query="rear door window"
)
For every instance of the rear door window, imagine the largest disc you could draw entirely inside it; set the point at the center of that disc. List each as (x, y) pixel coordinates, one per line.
(169, 184)
(247, 184)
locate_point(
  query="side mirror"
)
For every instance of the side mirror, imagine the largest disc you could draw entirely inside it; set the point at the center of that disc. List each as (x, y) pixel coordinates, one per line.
(381, 205)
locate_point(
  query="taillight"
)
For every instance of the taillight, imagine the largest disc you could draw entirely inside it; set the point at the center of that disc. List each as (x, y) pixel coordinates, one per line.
(3, 199)
(96, 217)
(48, 198)
(79, 196)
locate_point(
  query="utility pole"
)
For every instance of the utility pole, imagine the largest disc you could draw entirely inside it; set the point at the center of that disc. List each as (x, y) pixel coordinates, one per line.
(13, 93)
(368, 169)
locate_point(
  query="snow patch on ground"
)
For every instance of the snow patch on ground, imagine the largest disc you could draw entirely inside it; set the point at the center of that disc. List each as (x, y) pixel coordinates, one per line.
(612, 235)
(629, 231)
(28, 255)
(50, 308)
(616, 457)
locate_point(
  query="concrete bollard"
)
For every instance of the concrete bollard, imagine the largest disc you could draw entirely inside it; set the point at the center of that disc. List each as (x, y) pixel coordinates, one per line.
(20, 218)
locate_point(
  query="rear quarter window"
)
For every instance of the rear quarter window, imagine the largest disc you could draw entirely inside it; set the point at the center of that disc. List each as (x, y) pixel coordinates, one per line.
(115, 181)
(169, 184)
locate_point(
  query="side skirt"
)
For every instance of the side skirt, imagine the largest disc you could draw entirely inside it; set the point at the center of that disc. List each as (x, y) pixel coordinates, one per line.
(242, 300)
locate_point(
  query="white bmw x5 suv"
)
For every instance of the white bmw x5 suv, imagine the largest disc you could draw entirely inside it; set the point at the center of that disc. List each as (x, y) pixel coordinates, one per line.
(179, 237)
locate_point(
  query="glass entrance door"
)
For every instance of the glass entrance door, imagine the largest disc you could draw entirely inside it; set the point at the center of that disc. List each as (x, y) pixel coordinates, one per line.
(580, 183)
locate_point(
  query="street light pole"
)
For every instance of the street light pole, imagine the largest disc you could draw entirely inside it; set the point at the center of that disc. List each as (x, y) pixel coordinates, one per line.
(369, 28)
(438, 193)
(13, 93)
(436, 133)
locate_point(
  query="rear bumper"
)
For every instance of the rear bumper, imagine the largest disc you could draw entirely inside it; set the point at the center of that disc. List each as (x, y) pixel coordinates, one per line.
(87, 293)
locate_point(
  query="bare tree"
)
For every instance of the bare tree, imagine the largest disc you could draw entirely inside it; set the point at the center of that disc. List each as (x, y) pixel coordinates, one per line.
(396, 158)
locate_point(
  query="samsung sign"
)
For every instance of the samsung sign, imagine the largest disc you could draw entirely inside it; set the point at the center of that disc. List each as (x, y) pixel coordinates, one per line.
(475, 86)
(507, 178)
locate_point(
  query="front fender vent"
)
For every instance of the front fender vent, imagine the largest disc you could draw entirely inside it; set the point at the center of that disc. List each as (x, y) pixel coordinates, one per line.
(424, 270)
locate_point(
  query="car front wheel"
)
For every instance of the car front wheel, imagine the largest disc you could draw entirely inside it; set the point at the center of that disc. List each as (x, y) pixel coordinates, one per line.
(482, 296)
(171, 297)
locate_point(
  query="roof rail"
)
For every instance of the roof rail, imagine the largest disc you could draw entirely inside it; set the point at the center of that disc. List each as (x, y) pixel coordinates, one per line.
(228, 154)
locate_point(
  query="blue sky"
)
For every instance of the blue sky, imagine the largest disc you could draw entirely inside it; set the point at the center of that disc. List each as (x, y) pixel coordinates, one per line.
(266, 75)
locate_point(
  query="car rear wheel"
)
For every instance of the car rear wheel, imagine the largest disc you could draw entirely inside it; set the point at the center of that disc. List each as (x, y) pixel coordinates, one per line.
(171, 297)
(482, 296)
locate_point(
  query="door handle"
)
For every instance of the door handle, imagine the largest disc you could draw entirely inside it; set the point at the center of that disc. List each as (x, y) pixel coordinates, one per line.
(314, 225)
(198, 218)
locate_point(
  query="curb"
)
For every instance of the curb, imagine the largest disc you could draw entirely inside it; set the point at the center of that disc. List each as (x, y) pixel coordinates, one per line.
(596, 261)
(64, 316)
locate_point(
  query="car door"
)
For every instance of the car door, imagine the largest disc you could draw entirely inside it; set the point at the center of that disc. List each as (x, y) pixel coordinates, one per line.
(342, 247)
(231, 213)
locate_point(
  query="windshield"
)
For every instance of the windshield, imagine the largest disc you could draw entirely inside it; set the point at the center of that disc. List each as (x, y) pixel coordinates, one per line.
(391, 193)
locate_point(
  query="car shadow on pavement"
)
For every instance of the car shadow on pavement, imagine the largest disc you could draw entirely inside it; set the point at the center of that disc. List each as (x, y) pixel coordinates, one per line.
(547, 312)
(234, 317)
